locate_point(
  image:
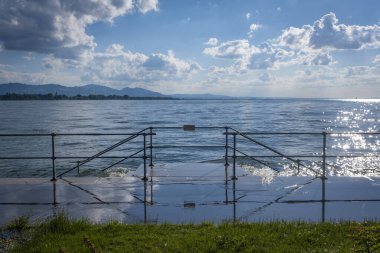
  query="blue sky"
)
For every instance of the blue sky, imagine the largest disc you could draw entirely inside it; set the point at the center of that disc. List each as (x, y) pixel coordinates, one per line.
(297, 48)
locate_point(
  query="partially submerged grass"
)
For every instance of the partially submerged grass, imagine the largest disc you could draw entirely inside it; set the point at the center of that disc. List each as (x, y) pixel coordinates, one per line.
(13, 233)
(59, 234)
(19, 224)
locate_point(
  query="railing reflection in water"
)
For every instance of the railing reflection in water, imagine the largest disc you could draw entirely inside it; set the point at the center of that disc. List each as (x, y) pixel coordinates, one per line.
(145, 148)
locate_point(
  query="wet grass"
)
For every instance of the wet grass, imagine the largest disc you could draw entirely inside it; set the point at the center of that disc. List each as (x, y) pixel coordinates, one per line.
(60, 234)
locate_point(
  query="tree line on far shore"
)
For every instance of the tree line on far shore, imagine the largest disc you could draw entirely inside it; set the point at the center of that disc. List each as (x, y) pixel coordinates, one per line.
(50, 96)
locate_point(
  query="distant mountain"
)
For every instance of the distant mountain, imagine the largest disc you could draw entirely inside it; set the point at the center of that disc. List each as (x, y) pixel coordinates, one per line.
(139, 92)
(94, 89)
(90, 89)
(201, 96)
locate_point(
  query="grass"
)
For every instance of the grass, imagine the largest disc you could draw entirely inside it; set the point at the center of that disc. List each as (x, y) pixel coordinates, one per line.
(60, 234)
(18, 224)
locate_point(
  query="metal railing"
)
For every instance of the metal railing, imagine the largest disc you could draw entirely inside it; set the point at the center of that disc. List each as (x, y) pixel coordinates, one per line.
(145, 152)
(233, 142)
(247, 136)
(292, 158)
(278, 154)
(86, 159)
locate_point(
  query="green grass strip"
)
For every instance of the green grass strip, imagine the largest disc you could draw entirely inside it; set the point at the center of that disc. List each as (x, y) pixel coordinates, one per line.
(60, 234)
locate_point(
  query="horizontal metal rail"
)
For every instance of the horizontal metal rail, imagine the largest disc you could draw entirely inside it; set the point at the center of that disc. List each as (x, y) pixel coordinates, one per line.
(100, 134)
(181, 127)
(245, 133)
(278, 133)
(352, 133)
(23, 135)
(319, 156)
(306, 133)
(187, 146)
(61, 157)
(71, 134)
(119, 157)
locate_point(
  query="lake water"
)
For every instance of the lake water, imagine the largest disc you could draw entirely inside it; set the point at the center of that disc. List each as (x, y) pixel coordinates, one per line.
(202, 145)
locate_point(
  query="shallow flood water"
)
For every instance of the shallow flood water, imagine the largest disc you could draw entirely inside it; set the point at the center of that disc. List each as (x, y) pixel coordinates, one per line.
(176, 145)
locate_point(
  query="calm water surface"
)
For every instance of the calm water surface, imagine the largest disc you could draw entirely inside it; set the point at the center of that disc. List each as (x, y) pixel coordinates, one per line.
(269, 115)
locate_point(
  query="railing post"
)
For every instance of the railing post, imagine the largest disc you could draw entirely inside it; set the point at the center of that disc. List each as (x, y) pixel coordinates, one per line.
(226, 147)
(324, 176)
(298, 166)
(151, 147)
(144, 178)
(54, 193)
(324, 156)
(78, 162)
(145, 213)
(234, 199)
(234, 159)
(53, 155)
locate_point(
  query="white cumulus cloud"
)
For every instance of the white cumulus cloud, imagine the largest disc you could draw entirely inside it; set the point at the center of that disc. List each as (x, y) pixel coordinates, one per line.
(145, 6)
(267, 56)
(253, 28)
(310, 45)
(212, 42)
(295, 38)
(230, 49)
(119, 65)
(376, 59)
(327, 33)
(169, 64)
(320, 58)
(52, 63)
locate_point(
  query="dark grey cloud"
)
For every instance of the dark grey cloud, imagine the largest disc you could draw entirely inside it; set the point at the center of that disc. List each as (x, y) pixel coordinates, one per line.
(58, 27)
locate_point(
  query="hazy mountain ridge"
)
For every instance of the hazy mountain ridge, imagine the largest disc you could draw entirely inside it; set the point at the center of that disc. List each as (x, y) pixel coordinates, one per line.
(201, 96)
(85, 90)
(95, 89)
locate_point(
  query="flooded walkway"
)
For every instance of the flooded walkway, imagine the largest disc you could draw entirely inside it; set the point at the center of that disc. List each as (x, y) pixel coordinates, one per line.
(191, 193)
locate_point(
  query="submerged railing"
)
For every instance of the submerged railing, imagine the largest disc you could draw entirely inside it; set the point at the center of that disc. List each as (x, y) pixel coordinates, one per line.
(234, 147)
(232, 143)
(256, 158)
(294, 158)
(86, 159)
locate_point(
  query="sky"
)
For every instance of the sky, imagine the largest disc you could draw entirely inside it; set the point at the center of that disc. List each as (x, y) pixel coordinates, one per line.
(260, 48)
